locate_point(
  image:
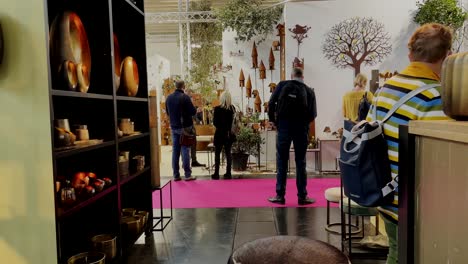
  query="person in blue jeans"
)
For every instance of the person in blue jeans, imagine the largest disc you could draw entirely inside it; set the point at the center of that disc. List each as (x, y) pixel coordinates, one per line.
(291, 109)
(180, 109)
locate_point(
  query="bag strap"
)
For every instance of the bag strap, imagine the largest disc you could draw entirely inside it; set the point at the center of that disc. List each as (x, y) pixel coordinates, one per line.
(404, 99)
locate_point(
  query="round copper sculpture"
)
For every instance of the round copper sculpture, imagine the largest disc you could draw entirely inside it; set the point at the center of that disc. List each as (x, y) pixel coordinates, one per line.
(69, 42)
(117, 63)
(68, 75)
(129, 79)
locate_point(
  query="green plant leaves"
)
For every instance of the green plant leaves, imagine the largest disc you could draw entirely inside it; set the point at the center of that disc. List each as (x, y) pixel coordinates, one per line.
(249, 19)
(445, 12)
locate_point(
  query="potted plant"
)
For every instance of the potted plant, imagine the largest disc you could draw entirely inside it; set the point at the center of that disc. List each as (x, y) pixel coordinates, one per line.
(247, 144)
(254, 121)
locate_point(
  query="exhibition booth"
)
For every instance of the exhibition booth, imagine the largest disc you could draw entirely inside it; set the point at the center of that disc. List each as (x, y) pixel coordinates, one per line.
(87, 138)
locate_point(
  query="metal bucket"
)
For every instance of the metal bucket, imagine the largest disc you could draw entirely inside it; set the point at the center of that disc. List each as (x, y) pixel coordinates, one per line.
(106, 244)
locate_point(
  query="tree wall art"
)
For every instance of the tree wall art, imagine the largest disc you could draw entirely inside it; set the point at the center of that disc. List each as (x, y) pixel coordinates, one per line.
(357, 41)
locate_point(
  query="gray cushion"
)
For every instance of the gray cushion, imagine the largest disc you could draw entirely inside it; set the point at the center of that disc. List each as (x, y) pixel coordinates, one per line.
(287, 250)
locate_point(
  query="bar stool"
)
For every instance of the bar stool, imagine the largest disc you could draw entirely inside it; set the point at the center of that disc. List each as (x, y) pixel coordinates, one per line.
(333, 195)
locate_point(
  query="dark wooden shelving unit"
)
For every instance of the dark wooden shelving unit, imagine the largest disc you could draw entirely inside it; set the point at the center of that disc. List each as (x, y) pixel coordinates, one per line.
(62, 213)
(77, 150)
(128, 138)
(133, 176)
(101, 109)
(81, 95)
(126, 98)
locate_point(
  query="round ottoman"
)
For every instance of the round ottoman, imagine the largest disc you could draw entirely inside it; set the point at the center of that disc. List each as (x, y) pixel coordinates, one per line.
(287, 250)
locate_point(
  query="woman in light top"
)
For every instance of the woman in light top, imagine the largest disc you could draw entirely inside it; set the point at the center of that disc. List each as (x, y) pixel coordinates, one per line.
(352, 99)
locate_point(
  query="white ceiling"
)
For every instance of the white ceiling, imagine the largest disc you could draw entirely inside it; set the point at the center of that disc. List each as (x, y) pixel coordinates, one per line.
(172, 29)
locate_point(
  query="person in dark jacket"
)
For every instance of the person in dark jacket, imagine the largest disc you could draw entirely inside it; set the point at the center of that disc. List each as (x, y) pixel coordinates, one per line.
(291, 108)
(222, 120)
(180, 108)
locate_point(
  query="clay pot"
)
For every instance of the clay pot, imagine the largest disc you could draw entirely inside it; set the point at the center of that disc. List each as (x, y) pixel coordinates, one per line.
(69, 42)
(129, 79)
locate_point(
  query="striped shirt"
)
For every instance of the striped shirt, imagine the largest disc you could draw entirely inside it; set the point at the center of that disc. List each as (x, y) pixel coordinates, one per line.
(424, 106)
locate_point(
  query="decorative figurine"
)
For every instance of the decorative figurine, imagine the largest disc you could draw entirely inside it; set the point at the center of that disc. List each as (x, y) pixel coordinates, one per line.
(254, 56)
(262, 71)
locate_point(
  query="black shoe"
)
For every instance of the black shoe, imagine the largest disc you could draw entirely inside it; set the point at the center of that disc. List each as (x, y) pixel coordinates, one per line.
(305, 201)
(197, 164)
(177, 179)
(215, 176)
(191, 178)
(277, 200)
(227, 176)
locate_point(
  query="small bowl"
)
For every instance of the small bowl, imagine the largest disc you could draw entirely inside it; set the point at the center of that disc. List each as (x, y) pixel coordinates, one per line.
(88, 258)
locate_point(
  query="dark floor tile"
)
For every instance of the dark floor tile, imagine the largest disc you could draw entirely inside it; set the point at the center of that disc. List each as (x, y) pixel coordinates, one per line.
(208, 235)
(256, 228)
(255, 215)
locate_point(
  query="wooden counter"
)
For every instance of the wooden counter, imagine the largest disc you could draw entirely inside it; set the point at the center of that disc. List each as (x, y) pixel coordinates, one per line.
(434, 193)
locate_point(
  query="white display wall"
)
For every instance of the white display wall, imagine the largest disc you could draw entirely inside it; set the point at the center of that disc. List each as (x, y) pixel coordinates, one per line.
(245, 62)
(329, 82)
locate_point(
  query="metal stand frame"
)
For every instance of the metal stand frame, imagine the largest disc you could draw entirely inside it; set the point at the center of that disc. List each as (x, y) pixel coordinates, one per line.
(160, 219)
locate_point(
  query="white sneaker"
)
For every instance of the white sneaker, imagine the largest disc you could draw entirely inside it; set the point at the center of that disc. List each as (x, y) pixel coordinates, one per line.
(191, 178)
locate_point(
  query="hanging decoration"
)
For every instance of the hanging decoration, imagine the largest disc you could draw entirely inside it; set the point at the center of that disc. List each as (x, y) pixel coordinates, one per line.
(241, 79)
(248, 88)
(299, 34)
(271, 60)
(282, 35)
(242, 85)
(254, 56)
(262, 71)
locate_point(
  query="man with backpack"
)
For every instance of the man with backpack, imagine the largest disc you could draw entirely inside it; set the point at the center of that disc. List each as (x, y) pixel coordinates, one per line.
(369, 160)
(291, 109)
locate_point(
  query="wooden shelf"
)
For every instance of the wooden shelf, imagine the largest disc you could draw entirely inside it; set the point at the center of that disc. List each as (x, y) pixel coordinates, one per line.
(128, 138)
(81, 95)
(133, 176)
(62, 213)
(77, 150)
(132, 99)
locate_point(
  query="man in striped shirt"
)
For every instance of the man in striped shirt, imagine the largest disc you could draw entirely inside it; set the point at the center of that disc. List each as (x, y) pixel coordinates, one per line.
(428, 48)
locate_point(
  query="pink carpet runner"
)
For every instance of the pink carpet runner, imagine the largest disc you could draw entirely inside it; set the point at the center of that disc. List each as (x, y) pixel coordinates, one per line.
(239, 193)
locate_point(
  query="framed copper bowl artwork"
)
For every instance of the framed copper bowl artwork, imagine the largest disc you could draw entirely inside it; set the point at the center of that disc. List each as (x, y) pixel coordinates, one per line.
(117, 63)
(129, 79)
(69, 42)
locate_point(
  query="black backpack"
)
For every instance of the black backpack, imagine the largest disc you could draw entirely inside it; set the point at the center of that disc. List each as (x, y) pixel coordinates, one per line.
(364, 106)
(292, 101)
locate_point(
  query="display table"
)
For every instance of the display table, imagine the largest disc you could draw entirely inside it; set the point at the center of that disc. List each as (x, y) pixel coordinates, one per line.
(433, 192)
(329, 152)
